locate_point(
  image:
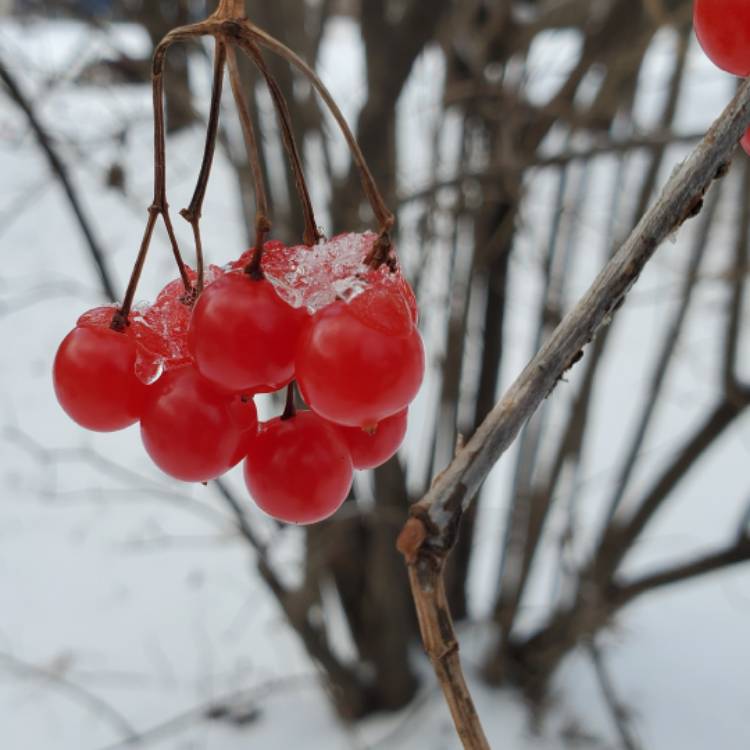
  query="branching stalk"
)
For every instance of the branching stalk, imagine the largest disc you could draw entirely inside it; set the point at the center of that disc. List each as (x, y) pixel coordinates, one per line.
(192, 214)
(262, 222)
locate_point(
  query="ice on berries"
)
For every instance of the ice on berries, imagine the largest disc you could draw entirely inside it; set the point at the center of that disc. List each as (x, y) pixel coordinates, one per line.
(314, 277)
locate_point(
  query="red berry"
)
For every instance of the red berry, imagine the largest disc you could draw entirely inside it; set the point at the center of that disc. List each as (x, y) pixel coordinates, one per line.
(243, 335)
(191, 429)
(370, 449)
(150, 347)
(94, 378)
(384, 308)
(745, 142)
(299, 469)
(723, 30)
(355, 368)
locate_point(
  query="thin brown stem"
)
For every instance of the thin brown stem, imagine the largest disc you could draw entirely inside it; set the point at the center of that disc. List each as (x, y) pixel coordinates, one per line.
(733, 554)
(120, 319)
(290, 409)
(160, 147)
(382, 214)
(262, 221)
(159, 206)
(311, 235)
(438, 634)
(192, 214)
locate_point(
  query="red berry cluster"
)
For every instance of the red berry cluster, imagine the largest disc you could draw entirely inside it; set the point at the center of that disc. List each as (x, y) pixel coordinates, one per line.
(188, 370)
(723, 30)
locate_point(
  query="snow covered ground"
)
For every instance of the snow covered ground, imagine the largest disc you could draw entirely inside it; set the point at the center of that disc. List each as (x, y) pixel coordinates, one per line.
(124, 598)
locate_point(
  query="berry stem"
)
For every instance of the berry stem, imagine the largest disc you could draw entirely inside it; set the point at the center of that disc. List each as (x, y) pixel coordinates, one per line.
(312, 235)
(262, 221)
(383, 215)
(120, 319)
(192, 214)
(159, 205)
(160, 148)
(290, 410)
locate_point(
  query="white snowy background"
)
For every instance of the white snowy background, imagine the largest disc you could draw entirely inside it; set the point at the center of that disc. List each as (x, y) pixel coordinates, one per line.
(126, 601)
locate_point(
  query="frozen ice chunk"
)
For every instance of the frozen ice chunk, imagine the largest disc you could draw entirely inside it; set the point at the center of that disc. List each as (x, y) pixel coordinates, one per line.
(314, 277)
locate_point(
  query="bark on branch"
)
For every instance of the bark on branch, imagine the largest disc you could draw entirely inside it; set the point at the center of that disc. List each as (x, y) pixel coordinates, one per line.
(431, 531)
(733, 554)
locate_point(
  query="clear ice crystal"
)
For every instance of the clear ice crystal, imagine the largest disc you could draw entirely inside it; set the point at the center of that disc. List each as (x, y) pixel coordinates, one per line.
(313, 277)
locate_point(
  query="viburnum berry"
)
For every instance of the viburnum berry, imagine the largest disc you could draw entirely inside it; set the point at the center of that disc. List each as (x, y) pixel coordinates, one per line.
(723, 30)
(298, 469)
(372, 448)
(243, 336)
(94, 378)
(361, 362)
(148, 345)
(192, 430)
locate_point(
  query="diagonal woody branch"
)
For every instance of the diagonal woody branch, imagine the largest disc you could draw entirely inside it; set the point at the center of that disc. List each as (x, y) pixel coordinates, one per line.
(680, 200)
(430, 533)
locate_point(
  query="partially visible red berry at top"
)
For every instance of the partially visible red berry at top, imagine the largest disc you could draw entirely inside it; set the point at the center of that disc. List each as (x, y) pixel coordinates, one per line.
(243, 336)
(190, 429)
(372, 448)
(298, 470)
(94, 378)
(723, 30)
(745, 142)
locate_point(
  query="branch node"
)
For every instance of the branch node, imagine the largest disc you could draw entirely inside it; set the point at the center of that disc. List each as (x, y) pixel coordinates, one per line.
(410, 540)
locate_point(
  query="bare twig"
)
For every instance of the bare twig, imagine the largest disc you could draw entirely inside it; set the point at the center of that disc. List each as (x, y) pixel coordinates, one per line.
(738, 551)
(679, 201)
(159, 205)
(602, 147)
(616, 709)
(431, 531)
(618, 540)
(313, 636)
(60, 171)
(97, 705)
(438, 634)
(221, 707)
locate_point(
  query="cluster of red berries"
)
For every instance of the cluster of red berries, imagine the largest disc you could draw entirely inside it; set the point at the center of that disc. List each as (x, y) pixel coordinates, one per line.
(723, 30)
(188, 369)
